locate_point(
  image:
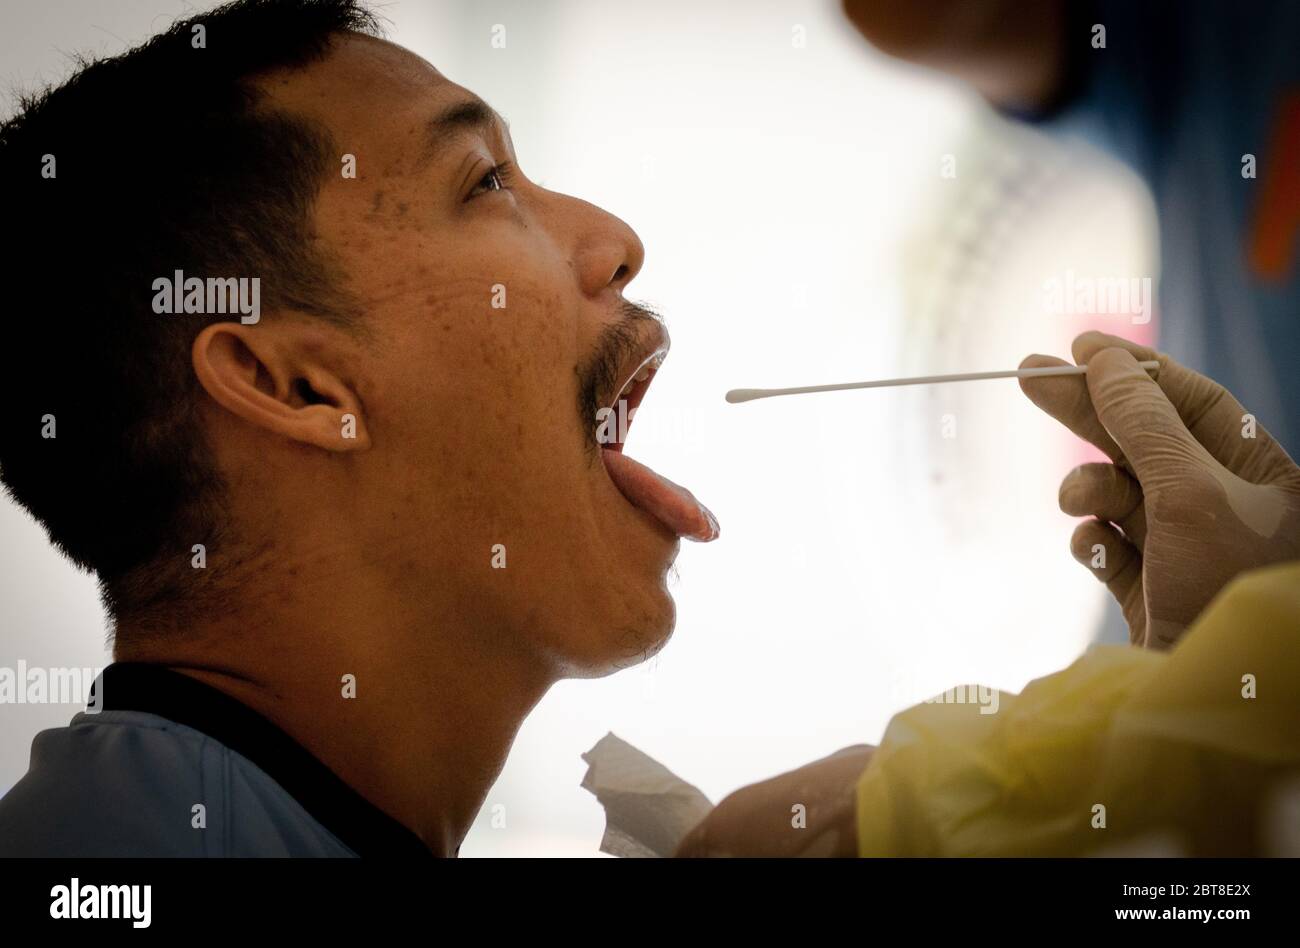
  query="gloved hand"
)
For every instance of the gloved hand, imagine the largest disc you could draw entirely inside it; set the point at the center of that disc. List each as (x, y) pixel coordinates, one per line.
(763, 819)
(1191, 500)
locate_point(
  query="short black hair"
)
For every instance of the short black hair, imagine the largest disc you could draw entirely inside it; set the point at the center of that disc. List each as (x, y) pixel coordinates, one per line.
(164, 158)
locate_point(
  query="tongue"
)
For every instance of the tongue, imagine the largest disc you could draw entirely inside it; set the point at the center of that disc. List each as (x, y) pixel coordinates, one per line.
(671, 504)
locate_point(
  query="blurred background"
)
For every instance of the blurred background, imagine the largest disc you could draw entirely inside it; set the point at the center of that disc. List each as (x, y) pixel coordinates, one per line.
(812, 212)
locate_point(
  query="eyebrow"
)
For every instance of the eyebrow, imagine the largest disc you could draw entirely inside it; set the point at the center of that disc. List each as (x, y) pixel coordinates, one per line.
(468, 114)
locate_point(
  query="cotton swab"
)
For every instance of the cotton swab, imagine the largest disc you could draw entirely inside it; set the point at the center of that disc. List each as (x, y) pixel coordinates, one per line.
(737, 395)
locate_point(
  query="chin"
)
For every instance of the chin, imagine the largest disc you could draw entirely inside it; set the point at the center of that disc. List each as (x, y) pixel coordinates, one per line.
(631, 638)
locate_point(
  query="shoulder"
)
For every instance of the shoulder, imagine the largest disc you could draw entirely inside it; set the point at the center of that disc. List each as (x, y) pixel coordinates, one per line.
(126, 783)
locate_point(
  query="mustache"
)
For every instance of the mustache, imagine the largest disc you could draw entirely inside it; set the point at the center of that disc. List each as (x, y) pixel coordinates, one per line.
(598, 375)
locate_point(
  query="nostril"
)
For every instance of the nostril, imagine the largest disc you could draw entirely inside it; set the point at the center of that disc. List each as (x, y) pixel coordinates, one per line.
(620, 274)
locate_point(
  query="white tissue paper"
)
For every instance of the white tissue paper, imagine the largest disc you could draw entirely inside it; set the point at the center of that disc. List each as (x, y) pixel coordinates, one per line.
(648, 808)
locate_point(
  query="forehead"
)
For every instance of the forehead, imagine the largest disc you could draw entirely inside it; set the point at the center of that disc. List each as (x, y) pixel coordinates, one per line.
(372, 95)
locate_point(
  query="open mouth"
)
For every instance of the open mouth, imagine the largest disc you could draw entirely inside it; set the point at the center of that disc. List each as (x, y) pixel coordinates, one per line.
(616, 419)
(670, 504)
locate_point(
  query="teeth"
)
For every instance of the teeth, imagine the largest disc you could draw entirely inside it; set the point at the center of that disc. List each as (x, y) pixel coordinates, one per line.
(632, 382)
(644, 373)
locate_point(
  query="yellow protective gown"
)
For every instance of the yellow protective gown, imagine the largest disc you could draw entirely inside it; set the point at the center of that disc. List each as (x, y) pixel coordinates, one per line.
(1122, 747)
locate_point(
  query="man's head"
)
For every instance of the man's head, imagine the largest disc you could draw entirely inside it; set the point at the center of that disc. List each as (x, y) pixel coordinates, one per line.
(415, 410)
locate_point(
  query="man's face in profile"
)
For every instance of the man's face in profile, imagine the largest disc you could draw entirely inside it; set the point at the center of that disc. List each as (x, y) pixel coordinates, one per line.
(482, 416)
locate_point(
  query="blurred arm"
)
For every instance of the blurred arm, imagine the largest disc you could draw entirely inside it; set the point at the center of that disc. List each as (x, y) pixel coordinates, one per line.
(1012, 52)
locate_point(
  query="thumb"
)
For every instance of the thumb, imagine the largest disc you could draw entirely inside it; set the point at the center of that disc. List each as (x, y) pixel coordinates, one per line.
(1211, 413)
(1142, 420)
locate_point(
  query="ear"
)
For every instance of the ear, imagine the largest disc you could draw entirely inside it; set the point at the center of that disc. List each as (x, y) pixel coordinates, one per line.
(262, 375)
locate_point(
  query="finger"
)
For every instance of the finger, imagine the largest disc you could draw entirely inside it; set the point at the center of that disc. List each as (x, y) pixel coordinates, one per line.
(1107, 493)
(1116, 563)
(853, 750)
(701, 842)
(1066, 398)
(1209, 411)
(692, 845)
(1144, 423)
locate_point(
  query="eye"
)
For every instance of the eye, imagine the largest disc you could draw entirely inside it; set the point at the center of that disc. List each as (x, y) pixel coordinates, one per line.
(494, 180)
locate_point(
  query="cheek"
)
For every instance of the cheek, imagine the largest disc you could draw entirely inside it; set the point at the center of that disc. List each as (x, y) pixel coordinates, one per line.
(477, 401)
(488, 396)
(483, 308)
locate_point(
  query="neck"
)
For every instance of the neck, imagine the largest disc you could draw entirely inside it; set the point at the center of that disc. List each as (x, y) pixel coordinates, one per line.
(413, 705)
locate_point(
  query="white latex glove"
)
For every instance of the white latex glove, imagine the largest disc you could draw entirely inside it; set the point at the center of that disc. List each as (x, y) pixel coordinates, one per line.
(1191, 500)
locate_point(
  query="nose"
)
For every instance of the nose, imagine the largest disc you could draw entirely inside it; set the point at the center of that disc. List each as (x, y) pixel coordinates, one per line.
(607, 252)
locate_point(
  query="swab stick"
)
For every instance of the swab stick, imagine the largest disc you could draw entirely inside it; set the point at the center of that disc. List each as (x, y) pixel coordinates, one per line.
(749, 394)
